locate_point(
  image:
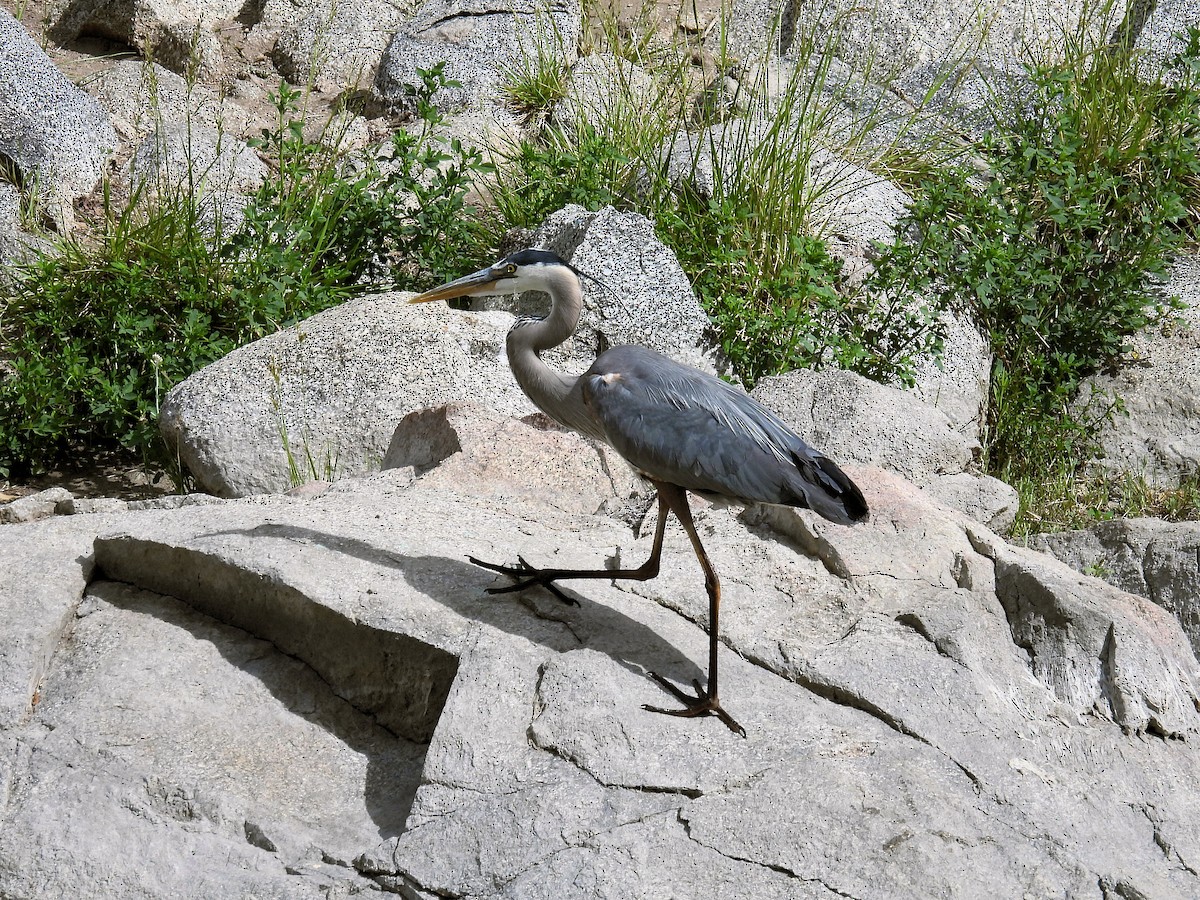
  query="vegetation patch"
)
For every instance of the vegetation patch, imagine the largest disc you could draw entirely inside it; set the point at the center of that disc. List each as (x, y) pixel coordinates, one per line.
(1060, 251)
(97, 333)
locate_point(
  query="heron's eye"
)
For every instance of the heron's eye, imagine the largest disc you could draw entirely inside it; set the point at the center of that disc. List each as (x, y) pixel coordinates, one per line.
(511, 269)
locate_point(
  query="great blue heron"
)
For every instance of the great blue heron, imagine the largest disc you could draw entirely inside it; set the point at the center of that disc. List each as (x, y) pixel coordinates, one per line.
(680, 428)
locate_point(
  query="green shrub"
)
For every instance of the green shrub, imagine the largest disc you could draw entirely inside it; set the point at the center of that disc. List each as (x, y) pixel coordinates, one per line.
(94, 336)
(1061, 251)
(801, 316)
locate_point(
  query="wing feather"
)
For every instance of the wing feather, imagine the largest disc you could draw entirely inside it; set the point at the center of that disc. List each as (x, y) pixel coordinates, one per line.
(679, 425)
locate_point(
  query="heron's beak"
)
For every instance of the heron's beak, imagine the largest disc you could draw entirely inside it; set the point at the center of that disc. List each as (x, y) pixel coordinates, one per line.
(482, 281)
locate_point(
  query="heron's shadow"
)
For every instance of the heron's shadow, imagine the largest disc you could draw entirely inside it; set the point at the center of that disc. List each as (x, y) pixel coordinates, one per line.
(533, 614)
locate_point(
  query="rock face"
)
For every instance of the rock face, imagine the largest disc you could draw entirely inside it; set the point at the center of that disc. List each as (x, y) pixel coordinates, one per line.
(1154, 559)
(287, 697)
(1158, 433)
(58, 137)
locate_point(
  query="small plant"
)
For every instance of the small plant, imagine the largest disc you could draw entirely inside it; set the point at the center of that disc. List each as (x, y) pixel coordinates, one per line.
(543, 175)
(320, 467)
(537, 78)
(1065, 499)
(801, 317)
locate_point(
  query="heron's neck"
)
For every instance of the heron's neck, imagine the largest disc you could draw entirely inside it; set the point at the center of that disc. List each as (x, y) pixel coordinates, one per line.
(549, 389)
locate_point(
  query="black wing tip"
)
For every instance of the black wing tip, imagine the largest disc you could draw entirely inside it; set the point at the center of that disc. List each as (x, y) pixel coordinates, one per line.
(852, 500)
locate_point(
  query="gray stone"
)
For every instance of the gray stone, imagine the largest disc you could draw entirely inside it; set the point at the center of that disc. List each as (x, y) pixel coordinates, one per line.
(1155, 559)
(34, 506)
(475, 40)
(338, 47)
(58, 137)
(46, 566)
(1157, 435)
(603, 89)
(981, 497)
(524, 463)
(958, 381)
(1164, 20)
(179, 34)
(216, 169)
(1105, 653)
(143, 96)
(643, 296)
(330, 390)
(854, 419)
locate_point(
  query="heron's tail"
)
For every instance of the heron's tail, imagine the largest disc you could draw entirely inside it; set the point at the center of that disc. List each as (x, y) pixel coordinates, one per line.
(825, 489)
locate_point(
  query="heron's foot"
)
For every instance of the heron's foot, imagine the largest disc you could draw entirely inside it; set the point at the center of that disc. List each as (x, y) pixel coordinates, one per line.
(699, 705)
(525, 576)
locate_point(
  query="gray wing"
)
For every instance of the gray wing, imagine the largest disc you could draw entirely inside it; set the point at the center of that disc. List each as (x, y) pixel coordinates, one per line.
(679, 425)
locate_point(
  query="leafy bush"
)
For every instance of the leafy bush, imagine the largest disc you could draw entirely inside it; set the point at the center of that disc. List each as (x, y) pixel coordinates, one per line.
(801, 316)
(1061, 251)
(95, 336)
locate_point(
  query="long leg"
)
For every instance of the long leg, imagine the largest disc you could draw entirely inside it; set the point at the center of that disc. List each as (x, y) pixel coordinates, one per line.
(527, 575)
(704, 702)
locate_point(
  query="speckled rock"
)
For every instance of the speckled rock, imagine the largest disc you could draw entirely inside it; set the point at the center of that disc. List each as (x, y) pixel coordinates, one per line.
(329, 391)
(179, 34)
(58, 136)
(475, 40)
(338, 48)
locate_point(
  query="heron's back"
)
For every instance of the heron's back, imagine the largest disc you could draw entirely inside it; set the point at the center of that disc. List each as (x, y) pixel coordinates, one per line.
(682, 426)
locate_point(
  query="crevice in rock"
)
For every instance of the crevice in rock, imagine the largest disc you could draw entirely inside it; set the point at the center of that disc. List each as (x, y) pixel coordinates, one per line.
(844, 697)
(535, 743)
(1108, 671)
(774, 867)
(913, 621)
(400, 682)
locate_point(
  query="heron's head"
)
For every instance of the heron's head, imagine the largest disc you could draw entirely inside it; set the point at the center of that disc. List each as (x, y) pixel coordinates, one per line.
(526, 270)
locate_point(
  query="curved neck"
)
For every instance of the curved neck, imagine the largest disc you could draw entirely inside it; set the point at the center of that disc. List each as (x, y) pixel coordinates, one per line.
(548, 389)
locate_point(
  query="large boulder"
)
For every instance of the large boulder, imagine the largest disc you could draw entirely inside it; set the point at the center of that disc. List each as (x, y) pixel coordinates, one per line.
(314, 697)
(142, 96)
(323, 397)
(339, 46)
(853, 419)
(187, 159)
(476, 41)
(57, 136)
(179, 34)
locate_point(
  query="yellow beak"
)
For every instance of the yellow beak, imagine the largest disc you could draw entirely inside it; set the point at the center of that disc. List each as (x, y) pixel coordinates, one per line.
(482, 281)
